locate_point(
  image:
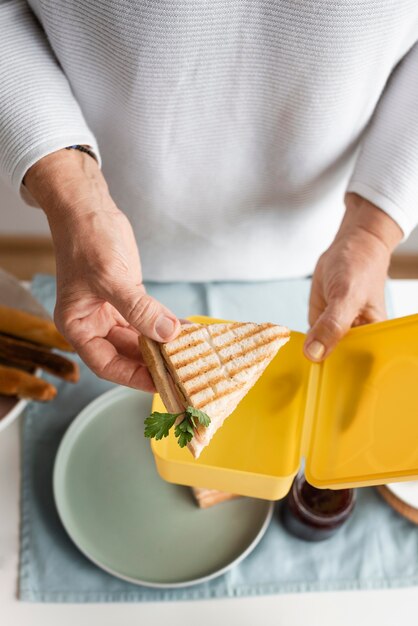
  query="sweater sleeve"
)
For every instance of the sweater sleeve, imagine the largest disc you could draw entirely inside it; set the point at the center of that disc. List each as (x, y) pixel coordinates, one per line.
(38, 111)
(386, 171)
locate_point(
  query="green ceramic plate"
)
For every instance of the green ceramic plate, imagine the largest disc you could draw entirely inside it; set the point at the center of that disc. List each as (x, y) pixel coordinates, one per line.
(130, 522)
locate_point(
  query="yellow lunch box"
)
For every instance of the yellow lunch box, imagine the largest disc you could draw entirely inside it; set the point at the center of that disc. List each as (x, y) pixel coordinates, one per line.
(354, 418)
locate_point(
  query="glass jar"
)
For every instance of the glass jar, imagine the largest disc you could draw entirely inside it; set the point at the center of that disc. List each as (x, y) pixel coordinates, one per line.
(315, 514)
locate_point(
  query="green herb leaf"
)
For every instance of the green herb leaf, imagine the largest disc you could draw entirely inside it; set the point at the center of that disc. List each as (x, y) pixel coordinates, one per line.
(158, 425)
(183, 434)
(191, 420)
(202, 418)
(184, 426)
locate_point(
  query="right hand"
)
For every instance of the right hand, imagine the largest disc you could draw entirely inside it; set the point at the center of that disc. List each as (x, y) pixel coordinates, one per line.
(101, 304)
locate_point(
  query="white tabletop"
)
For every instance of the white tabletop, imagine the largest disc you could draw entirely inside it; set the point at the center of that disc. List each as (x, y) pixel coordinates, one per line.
(380, 608)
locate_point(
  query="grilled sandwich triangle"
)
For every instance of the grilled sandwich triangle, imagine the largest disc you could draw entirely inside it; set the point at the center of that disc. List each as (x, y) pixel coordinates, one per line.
(211, 367)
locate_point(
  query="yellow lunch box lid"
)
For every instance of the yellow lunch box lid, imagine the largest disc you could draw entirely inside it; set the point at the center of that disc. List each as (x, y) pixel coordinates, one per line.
(354, 418)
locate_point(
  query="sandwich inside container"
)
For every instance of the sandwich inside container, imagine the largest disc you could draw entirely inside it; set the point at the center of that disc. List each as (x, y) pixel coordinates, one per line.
(354, 418)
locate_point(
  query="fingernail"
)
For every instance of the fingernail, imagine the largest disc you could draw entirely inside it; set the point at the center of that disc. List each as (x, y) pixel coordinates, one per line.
(316, 350)
(164, 327)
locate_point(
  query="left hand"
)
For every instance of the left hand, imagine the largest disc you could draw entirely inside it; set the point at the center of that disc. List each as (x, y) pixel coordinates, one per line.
(349, 279)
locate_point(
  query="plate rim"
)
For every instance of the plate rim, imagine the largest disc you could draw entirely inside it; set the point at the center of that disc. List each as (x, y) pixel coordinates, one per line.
(112, 395)
(24, 286)
(396, 487)
(13, 414)
(18, 408)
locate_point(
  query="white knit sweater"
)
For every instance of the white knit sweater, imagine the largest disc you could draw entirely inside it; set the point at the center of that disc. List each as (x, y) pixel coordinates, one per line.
(228, 130)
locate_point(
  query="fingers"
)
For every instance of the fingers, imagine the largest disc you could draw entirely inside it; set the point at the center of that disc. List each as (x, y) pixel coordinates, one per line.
(148, 316)
(316, 300)
(107, 346)
(102, 357)
(125, 341)
(329, 328)
(371, 314)
(335, 321)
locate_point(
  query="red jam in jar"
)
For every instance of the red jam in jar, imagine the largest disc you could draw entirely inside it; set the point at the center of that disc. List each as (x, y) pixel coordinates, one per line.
(315, 514)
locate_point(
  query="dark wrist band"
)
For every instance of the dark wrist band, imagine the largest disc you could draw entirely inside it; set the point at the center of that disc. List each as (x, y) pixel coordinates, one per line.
(83, 149)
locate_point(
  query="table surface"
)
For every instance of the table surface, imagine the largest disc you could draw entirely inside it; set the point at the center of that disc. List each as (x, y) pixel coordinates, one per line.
(383, 608)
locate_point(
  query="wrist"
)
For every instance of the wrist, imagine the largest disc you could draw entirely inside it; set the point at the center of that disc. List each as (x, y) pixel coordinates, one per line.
(66, 183)
(363, 220)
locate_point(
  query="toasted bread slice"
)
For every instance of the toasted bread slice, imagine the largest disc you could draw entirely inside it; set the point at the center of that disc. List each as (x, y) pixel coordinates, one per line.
(209, 497)
(32, 328)
(151, 352)
(211, 367)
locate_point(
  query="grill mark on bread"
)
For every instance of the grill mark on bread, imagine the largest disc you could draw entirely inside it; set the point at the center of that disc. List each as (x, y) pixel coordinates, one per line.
(202, 370)
(246, 352)
(186, 330)
(204, 385)
(252, 333)
(246, 366)
(235, 385)
(192, 359)
(218, 395)
(218, 349)
(231, 327)
(190, 344)
(199, 341)
(213, 366)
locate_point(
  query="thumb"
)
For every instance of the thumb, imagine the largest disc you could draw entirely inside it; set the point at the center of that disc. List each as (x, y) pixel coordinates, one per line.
(145, 313)
(329, 329)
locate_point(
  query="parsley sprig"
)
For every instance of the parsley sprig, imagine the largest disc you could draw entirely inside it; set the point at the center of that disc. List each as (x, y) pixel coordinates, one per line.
(158, 425)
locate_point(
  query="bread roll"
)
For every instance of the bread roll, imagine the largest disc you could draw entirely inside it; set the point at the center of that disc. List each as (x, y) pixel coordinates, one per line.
(14, 382)
(31, 327)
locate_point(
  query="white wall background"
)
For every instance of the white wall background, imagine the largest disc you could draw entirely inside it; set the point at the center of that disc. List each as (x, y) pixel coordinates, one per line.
(18, 219)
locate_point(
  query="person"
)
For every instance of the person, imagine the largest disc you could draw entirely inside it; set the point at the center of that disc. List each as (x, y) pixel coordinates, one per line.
(238, 141)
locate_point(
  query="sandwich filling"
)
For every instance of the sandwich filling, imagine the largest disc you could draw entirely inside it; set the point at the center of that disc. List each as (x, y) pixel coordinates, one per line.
(179, 400)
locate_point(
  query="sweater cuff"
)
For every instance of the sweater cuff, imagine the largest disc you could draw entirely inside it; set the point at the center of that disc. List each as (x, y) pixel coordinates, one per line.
(385, 204)
(42, 149)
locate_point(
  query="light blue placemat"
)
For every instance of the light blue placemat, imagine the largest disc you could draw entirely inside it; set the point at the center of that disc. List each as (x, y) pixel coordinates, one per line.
(376, 548)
